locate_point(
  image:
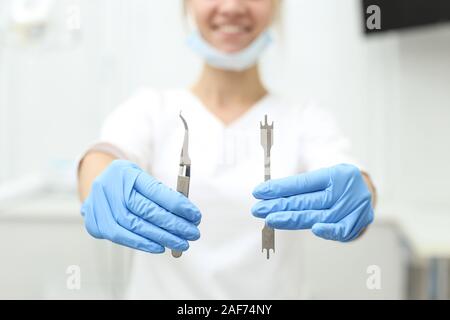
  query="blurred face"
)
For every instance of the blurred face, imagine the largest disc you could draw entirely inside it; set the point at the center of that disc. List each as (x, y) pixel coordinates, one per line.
(231, 25)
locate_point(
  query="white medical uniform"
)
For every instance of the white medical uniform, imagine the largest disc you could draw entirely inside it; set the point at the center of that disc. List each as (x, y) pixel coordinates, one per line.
(227, 163)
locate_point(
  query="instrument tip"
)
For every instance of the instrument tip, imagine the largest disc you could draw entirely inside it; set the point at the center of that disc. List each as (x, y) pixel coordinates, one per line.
(184, 121)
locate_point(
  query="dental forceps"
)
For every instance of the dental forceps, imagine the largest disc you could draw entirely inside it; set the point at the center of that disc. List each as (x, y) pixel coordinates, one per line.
(184, 173)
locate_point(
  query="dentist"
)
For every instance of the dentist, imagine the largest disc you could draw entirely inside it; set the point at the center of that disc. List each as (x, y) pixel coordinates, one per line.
(127, 177)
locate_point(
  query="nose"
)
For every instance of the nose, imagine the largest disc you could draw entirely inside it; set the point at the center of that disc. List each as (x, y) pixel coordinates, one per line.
(232, 7)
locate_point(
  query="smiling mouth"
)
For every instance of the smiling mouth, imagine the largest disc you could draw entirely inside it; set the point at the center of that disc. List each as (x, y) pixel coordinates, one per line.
(231, 29)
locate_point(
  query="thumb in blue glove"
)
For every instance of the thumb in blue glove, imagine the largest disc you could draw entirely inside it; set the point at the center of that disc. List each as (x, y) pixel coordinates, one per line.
(131, 208)
(334, 202)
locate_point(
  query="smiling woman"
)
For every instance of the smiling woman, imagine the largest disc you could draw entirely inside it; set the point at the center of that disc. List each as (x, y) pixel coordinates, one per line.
(132, 203)
(232, 25)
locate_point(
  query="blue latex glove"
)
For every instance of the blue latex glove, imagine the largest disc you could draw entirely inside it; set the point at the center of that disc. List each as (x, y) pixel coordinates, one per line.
(129, 207)
(335, 202)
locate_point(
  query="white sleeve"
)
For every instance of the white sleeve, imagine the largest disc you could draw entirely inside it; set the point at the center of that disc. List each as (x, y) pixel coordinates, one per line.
(322, 142)
(127, 132)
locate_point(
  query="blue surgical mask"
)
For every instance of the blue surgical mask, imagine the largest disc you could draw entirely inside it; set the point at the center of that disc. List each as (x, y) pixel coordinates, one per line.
(237, 61)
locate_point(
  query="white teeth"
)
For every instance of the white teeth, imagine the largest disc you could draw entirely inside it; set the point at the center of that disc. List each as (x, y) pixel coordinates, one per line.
(231, 29)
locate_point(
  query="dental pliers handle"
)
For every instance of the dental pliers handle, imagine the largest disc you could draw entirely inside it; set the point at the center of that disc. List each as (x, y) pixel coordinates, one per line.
(183, 185)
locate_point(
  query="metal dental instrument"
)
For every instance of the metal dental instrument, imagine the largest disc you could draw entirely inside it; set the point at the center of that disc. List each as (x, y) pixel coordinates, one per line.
(185, 171)
(268, 234)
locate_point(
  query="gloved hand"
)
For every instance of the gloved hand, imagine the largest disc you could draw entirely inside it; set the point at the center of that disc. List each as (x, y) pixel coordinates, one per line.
(129, 207)
(335, 202)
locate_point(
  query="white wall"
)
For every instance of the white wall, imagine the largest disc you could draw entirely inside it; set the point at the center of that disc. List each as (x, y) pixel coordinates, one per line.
(389, 92)
(421, 143)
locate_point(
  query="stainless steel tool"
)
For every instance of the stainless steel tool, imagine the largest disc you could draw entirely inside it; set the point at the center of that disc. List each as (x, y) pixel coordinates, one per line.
(268, 234)
(184, 173)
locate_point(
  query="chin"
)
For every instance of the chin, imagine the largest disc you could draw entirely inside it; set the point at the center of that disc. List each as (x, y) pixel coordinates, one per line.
(231, 43)
(231, 47)
(230, 50)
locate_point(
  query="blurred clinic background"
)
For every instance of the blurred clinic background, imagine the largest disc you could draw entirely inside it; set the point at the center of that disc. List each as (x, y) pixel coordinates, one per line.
(65, 64)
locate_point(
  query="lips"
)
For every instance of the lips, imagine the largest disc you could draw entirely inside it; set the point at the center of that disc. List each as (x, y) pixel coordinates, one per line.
(231, 36)
(231, 29)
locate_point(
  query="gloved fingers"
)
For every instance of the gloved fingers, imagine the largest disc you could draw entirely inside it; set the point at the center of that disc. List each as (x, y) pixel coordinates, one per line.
(302, 183)
(129, 239)
(295, 220)
(359, 219)
(318, 200)
(329, 231)
(153, 213)
(151, 232)
(348, 228)
(339, 231)
(167, 198)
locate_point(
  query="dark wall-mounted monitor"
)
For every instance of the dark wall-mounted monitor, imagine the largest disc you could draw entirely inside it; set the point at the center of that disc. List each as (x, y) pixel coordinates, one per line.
(404, 14)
